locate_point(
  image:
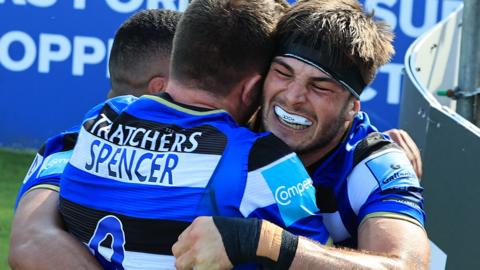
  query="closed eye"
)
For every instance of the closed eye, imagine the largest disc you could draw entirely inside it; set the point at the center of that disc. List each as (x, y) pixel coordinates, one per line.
(319, 88)
(282, 73)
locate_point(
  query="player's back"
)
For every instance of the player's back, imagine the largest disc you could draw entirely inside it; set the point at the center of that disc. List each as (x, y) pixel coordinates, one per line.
(140, 174)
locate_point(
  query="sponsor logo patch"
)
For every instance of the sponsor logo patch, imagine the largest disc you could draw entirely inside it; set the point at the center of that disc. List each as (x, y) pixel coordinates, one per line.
(393, 170)
(55, 163)
(292, 189)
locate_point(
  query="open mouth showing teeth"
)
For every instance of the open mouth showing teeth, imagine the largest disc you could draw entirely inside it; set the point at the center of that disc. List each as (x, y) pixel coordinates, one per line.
(292, 120)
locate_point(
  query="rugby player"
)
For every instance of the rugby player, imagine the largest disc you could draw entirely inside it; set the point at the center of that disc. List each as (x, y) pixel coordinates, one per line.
(367, 191)
(139, 64)
(143, 169)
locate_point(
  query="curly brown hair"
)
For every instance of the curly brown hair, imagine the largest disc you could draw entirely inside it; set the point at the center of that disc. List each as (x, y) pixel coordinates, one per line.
(351, 36)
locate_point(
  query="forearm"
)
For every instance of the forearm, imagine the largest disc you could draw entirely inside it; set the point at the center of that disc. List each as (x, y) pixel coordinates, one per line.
(391, 244)
(311, 255)
(38, 240)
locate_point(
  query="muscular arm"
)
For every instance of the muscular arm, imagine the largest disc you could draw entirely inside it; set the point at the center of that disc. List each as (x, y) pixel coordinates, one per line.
(38, 240)
(384, 243)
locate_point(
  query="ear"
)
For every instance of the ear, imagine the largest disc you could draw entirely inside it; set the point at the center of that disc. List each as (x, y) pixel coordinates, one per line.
(251, 90)
(156, 84)
(353, 109)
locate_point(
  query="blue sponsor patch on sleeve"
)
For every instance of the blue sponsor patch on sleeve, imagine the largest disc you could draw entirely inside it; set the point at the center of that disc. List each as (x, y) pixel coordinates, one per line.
(55, 163)
(292, 188)
(393, 170)
(37, 162)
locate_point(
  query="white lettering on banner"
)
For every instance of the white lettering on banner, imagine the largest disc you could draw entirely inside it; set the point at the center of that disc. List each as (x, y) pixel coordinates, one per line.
(82, 57)
(394, 72)
(46, 54)
(406, 17)
(109, 50)
(368, 94)
(37, 3)
(52, 48)
(120, 6)
(42, 3)
(79, 4)
(384, 11)
(28, 57)
(124, 7)
(167, 4)
(380, 12)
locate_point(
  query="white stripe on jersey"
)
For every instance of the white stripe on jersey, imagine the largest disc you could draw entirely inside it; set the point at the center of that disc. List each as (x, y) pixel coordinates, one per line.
(259, 194)
(139, 261)
(90, 150)
(361, 182)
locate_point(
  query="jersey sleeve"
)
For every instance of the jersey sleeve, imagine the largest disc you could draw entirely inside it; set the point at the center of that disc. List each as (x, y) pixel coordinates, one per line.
(279, 189)
(49, 162)
(384, 184)
(54, 155)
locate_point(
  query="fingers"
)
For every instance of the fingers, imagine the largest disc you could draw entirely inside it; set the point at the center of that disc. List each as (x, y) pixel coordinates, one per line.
(181, 246)
(416, 152)
(185, 261)
(404, 140)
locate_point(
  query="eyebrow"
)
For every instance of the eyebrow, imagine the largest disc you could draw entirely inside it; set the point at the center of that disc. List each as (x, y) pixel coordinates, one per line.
(314, 79)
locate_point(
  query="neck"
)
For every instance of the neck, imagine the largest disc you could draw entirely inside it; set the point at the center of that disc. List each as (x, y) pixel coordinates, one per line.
(191, 96)
(201, 98)
(313, 155)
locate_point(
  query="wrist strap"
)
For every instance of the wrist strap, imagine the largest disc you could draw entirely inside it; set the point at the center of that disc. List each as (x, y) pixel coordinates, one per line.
(253, 240)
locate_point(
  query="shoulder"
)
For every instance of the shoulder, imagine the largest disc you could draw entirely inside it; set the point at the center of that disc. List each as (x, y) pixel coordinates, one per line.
(266, 149)
(110, 107)
(371, 144)
(49, 162)
(380, 163)
(383, 180)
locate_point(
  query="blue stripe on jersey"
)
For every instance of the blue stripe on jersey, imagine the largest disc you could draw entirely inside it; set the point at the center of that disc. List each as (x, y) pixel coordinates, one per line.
(231, 178)
(406, 202)
(135, 200)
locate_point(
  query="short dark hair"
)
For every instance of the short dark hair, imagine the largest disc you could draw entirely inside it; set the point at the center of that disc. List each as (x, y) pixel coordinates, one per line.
(342, 31)
(220, 42)
(141, 49)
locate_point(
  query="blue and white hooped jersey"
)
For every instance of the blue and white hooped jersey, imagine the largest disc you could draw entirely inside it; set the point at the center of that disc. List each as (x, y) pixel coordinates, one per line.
(367, 175)
(53, 156)
(139, 175)
(48, 164)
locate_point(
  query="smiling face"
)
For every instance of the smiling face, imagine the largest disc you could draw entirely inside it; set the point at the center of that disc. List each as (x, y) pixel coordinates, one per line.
(306, 108)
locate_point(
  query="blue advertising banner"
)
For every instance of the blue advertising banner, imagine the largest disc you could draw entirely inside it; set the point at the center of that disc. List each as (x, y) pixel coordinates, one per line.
(54, 59)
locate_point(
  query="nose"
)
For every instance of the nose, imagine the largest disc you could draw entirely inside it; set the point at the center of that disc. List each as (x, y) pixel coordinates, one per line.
(295, 94)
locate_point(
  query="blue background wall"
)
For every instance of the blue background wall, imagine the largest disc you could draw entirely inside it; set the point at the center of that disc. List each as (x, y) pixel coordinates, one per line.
(54, 55)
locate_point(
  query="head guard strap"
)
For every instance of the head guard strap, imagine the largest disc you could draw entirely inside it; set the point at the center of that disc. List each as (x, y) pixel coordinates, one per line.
(350, 77)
